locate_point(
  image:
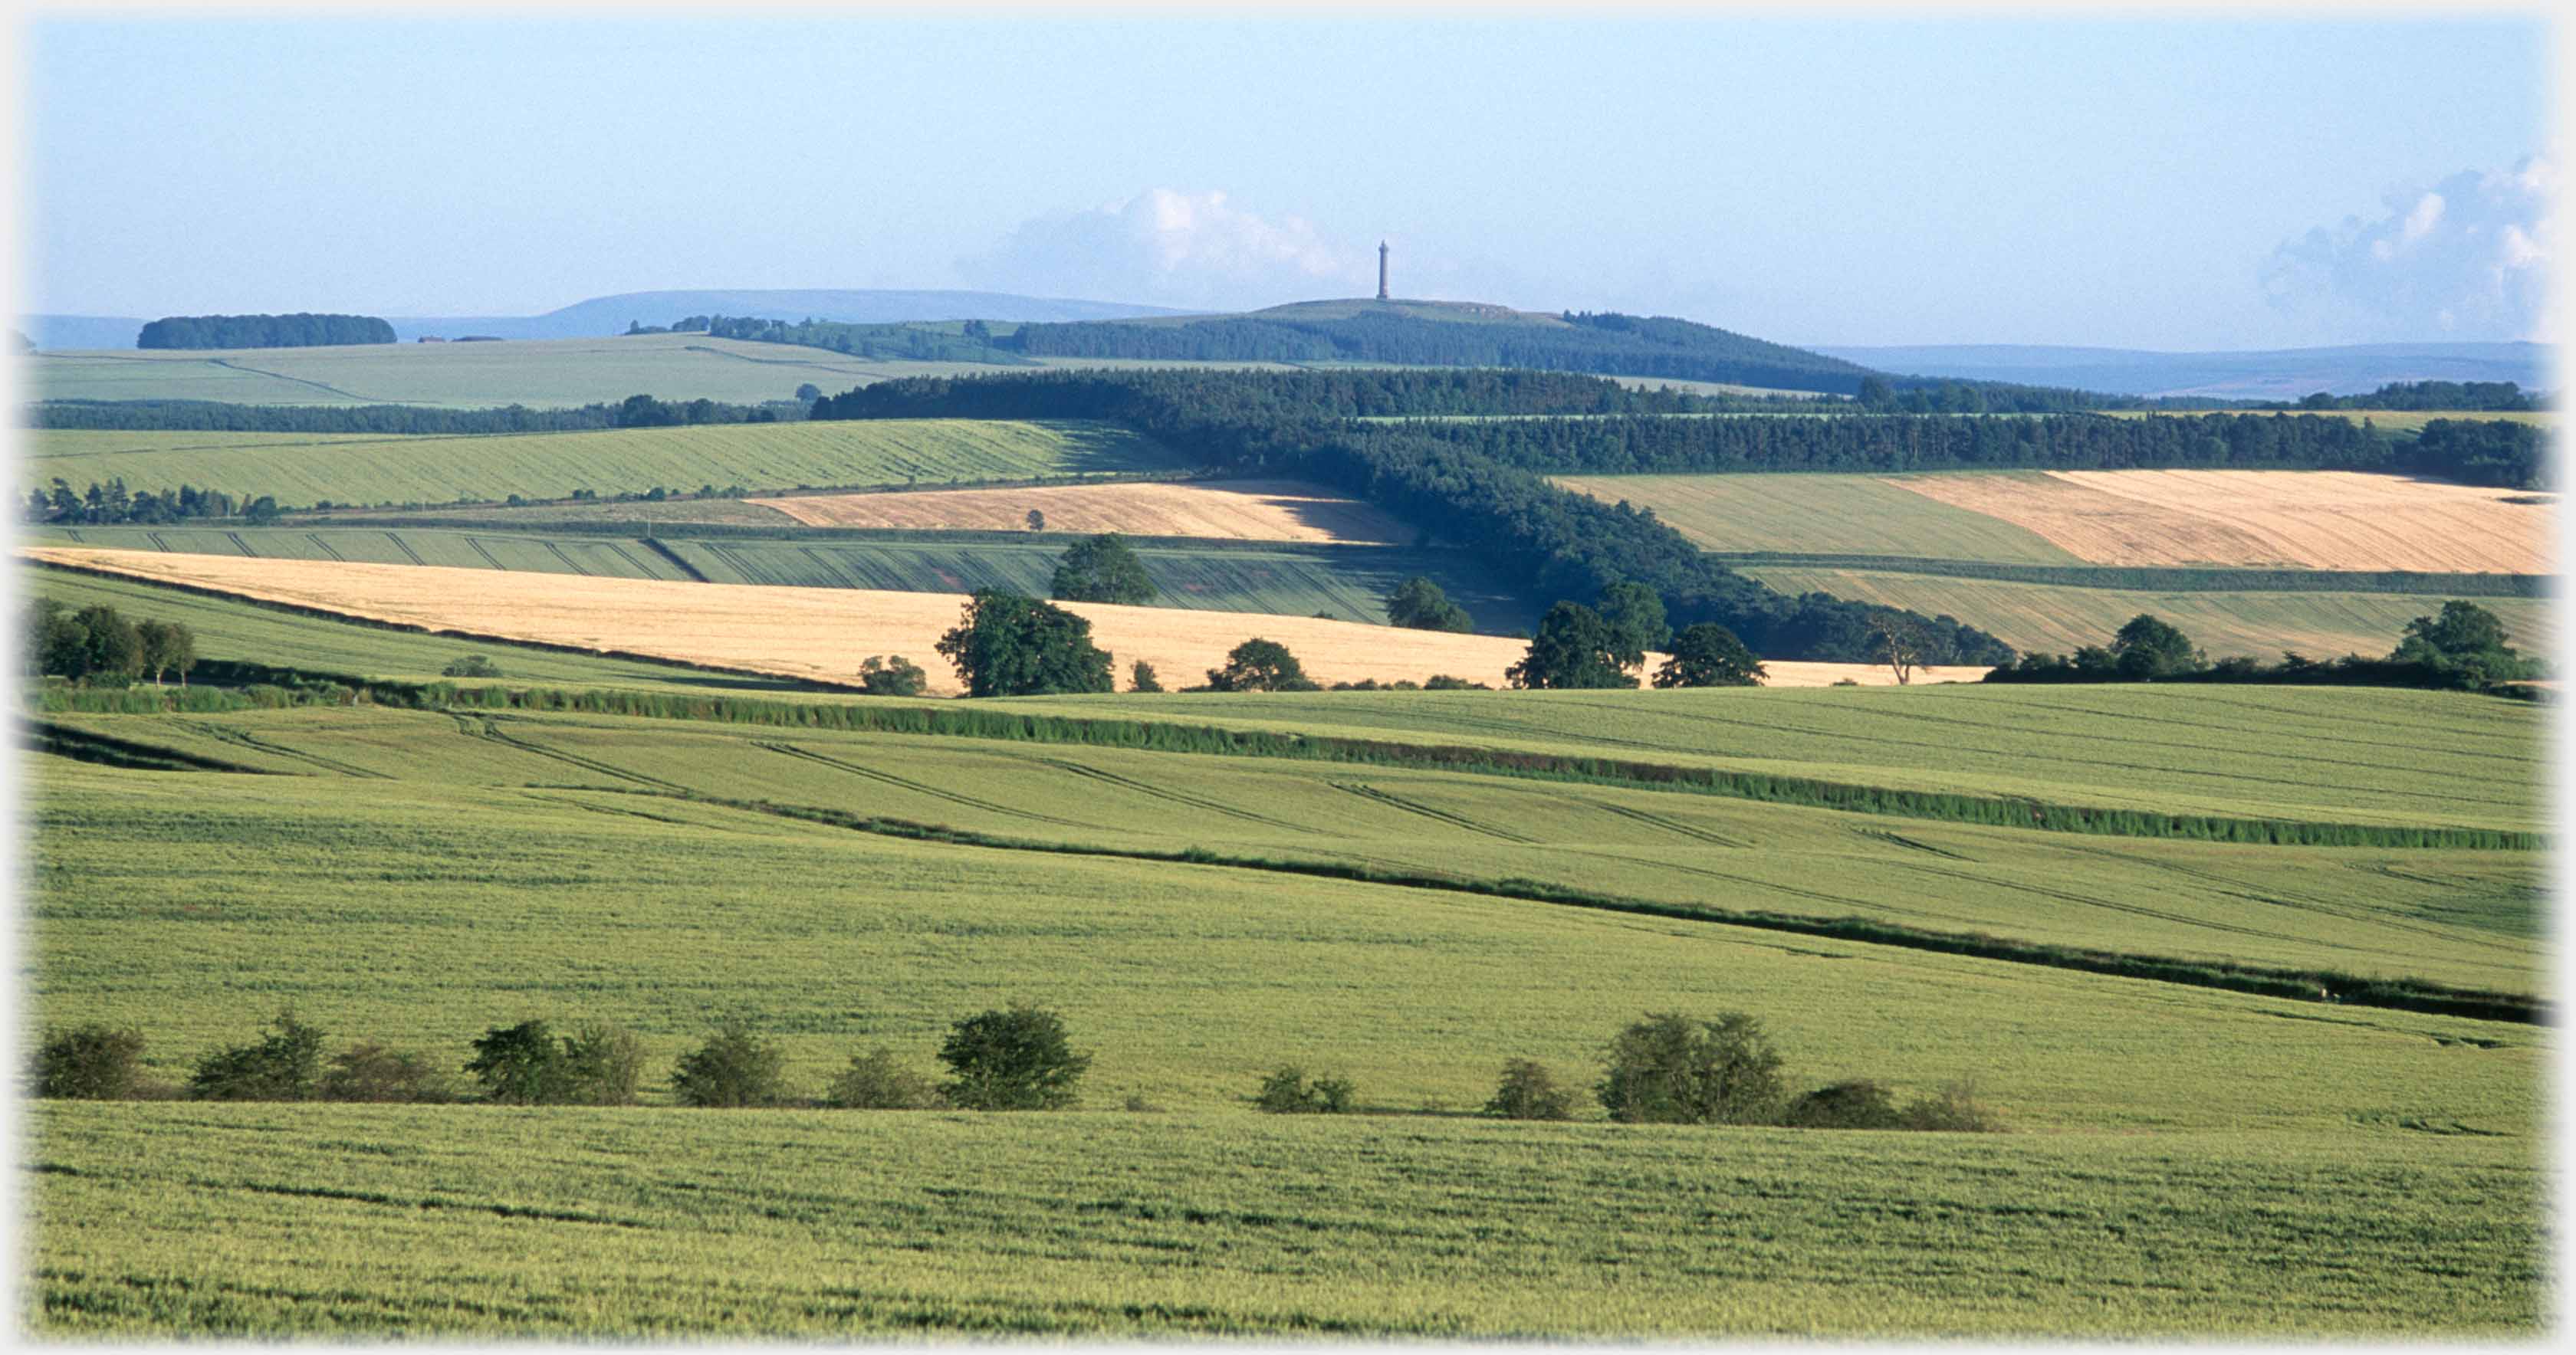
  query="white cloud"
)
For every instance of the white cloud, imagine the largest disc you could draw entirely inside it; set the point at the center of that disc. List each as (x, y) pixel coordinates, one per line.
(2469, 258)
(1174, 248)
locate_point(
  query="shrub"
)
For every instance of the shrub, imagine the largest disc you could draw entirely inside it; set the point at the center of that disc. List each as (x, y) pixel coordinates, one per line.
(284, 1066)
(90, 1063)
(734, 1068)
(877, 1082)
(1529, 1092)
(1141, 678)
(1669, 1069)
(1137, 1103)
(603, 1065)
(1953, 1109)
(520, 1065)
(1855, 1104)
(1287, 1092)
(471, 666)
(367, 1071)
(1442, 682)
(896, 676)
(1015, 1059)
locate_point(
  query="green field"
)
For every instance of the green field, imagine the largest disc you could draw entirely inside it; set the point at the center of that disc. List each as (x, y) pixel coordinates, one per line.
(2047, 617)
(2185, 1159)
(300, 470)
(1819, 514)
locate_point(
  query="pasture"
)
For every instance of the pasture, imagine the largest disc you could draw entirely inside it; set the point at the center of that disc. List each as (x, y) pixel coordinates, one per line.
(2060, 619)
(2315, 519)
(1242, 510)
(300, 470)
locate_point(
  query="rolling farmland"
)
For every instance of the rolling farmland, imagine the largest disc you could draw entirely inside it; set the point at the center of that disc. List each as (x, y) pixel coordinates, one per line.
(1820, 514)
(303, 469)
(812, 632)
(2044, 617)
(1246, 510)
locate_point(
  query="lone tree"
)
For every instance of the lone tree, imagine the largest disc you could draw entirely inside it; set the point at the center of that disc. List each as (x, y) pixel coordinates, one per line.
(1015, 1059)
(880, 675)
(1709, 655)
(1100, 569)
(1037, 523)
(1528, 1091)
(809, 392)
(1574, 648)
(2466, 639)
(1418, 604)
(1669, 1069)
(1141, 678)
(1259, 665)
(1635, 615)
(733, 1069)
(1009, 644)
(1902, 644)
(521, 1065)
(2149, 648)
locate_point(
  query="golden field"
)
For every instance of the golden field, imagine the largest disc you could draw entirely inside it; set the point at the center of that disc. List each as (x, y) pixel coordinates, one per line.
(823, 633)
(2310, 519)
(1242, 510)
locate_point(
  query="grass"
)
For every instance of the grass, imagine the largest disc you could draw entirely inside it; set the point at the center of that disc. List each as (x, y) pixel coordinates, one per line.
(300, 471)
(2060, 619)
(1819, 514)
(352, 1222)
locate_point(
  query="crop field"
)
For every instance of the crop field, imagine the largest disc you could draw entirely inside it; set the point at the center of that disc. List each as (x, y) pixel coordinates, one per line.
(2046, 617)
(817, 633)
(1821, 514)
(2318, 519)
(303, 470)
(1247, 510)
(892, 1224)
(1349, 583)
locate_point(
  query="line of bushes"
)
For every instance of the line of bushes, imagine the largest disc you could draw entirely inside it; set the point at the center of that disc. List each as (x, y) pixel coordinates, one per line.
(2304, 985)
(2147, 579)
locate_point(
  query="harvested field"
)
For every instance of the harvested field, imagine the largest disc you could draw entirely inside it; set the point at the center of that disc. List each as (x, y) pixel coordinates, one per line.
(1819, 513)
(1243, 510)
(823, 633)
(2311, 519)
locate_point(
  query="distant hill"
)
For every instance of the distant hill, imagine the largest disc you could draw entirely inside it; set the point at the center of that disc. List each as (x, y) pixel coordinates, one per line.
(1449, 334)
(2279, 374)
(611, 314)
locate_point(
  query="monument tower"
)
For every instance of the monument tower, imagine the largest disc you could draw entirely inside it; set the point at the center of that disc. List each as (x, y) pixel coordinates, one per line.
(1381, 270)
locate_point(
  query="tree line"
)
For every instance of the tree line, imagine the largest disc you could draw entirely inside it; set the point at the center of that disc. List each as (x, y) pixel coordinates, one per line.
(112, 503)
(2461, 648)
(1548, 540)
(2420, 395)
(1664, 1069)
(299, 330)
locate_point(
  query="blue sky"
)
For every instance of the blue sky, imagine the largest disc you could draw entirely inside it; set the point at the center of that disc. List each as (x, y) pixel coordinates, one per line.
(1859, 179)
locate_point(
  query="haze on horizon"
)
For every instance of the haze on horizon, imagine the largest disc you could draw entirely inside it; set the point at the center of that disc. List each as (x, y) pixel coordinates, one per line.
(1858, 180)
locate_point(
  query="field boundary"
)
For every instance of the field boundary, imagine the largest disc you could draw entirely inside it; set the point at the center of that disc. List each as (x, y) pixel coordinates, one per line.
(2166, 579)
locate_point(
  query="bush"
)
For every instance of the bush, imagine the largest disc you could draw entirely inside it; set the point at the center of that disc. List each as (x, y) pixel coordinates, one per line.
(521, 1065)
(1669, 1069)
(1953, 1109)
(471, 666)
(283, 1066)
(367, 1071)
(734, 1068)
(90, 1063)
(877, 1082)
(1442, 682)
(1529, 1092)
(896, 676)
(603, 1065)
(1855, 1104)
(1017, 1059)
(1287, 1092)
(1141, 678)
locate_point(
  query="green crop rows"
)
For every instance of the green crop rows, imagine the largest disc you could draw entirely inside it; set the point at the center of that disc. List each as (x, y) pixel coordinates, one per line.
(301, 470)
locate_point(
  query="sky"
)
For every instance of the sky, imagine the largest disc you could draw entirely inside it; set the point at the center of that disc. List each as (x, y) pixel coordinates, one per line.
(1855, 179)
